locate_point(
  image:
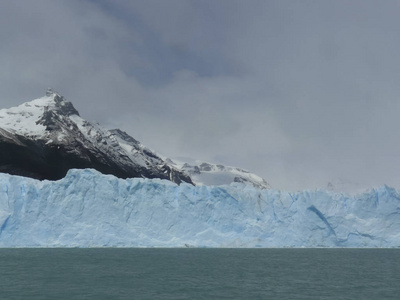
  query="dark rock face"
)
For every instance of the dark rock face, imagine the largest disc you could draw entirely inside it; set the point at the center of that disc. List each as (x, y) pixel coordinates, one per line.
(37, 160)
(64, 145)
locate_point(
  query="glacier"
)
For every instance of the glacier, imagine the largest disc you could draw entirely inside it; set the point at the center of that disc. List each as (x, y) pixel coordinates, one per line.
(89, 209)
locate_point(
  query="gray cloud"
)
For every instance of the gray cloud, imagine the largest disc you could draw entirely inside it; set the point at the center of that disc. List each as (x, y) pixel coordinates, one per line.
(300, 92)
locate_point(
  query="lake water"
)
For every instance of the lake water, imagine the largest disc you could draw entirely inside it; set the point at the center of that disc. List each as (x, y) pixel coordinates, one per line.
(199, 273)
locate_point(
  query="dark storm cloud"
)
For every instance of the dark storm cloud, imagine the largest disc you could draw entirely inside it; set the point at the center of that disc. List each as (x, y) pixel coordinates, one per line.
(300, 92)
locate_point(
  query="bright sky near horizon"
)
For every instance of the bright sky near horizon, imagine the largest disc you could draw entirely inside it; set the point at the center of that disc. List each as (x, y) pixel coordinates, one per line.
(298, 92)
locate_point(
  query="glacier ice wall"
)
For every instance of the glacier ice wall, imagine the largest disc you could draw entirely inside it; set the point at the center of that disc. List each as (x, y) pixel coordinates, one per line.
(88, 209)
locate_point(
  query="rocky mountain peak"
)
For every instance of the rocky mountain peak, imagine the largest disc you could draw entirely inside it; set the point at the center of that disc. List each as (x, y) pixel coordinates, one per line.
(60, 105)
(46, 137)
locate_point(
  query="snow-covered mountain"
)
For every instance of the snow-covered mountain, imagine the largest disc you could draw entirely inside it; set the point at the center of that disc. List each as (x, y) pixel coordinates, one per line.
(203, 173)
(89, 209)
(46, 137)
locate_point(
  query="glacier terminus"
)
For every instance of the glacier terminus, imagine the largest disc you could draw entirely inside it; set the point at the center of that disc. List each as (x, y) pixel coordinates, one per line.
(90, 209)
(68, 182)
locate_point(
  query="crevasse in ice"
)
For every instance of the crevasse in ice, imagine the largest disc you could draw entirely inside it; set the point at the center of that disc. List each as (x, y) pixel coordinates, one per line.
(89, 209)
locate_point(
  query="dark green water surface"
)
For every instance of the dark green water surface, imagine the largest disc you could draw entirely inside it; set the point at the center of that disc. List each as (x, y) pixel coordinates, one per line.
(199, 273)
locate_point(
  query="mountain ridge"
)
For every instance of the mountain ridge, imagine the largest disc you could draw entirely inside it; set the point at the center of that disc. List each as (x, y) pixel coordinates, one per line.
(46, 137)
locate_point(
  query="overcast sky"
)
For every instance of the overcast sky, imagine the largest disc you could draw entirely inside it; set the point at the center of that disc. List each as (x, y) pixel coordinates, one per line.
(298, 92)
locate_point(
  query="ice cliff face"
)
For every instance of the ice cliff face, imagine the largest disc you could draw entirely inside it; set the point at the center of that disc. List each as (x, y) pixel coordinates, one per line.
(87, 209)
